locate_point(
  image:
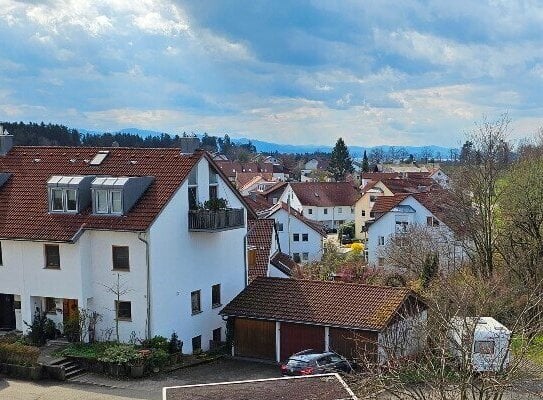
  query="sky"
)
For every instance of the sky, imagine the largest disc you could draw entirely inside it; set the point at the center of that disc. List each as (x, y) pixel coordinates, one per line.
(300, 72)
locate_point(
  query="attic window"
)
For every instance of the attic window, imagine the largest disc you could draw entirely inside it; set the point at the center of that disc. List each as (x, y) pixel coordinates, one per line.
(316, 194)
(117, 195)
(4, 176)
(100, 157)
(68, 194)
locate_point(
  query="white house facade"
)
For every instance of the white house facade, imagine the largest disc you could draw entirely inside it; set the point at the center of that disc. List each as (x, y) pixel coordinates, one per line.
(84, 226)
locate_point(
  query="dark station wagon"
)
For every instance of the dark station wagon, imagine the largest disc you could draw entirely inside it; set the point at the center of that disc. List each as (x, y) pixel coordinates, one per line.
(310, 362)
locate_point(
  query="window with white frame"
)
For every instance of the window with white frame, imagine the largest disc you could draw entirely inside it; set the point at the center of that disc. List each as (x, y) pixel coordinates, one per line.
(381, 240)
(101, 201)
(213, 184)
(62, 200)
(432, 221)
(193, 188)
(108, 201)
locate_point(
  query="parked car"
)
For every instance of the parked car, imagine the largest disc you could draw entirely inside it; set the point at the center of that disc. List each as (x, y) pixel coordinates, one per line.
(309, 362)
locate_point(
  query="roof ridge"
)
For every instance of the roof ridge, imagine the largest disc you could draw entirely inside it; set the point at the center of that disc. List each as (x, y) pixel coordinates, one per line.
(338, 283)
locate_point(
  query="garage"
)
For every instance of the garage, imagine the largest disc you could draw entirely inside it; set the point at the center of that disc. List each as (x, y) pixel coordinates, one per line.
(254, 339)
(354, 344)
(298, 337)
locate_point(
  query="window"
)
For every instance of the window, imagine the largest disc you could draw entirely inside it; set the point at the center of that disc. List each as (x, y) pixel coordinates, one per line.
(124, 310)
(56, 200)
(372, 214)
(380, 261)
(50, 305)
(373, 198)
(381, 240)
(310, 211)
(275, 200)
(195, 302)
(296, 237)
(296, 257)
(431, 221)
(340, 210)
(483, 347)
(100, 197)
(216, 295)
(401, 226)
(363, 213)
(71, 200)
(121, 258)
(52, 256)
(305, 237)
(305, 256)
(1, 259)
(325, 211)
(116, 202)
(280, 227)
(217, 335)
(213, 184)
(352, 210)
(196, 343)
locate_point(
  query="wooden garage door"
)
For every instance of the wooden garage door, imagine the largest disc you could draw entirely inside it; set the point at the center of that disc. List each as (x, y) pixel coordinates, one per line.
(354, 344)
(254, 338)
(298, 337)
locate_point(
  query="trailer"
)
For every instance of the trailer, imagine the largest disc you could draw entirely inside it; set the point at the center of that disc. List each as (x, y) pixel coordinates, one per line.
(481, 342)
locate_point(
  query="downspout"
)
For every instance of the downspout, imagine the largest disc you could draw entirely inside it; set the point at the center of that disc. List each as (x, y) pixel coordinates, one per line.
(148, 271)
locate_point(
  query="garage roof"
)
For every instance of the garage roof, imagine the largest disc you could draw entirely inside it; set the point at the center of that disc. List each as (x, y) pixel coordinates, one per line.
(319, 302)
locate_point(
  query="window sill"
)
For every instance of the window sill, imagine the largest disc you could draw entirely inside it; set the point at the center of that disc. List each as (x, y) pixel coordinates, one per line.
(120, 269)
(197, 312)
(53, 268)
(124, 319)
(216, 305)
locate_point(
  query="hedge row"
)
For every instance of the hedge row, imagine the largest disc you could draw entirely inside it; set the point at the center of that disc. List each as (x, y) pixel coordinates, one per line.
(19, 354)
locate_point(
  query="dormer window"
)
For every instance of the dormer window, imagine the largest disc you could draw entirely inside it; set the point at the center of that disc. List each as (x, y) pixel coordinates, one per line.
(117, 195)
(69, 194)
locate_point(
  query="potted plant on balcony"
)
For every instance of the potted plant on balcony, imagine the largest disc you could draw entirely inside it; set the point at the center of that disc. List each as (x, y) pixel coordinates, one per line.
(216, 204)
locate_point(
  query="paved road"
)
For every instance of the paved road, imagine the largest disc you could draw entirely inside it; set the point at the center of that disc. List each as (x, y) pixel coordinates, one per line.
(150, 388)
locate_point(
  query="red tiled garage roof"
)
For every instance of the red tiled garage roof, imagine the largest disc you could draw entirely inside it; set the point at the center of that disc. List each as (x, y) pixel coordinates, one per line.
(23, 198)
(319, 302)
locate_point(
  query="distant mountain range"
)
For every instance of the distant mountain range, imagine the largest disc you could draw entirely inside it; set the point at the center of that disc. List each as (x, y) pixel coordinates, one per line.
(269, 147)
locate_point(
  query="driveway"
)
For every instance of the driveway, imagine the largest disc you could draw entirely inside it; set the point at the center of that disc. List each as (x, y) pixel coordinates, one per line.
(94, 386)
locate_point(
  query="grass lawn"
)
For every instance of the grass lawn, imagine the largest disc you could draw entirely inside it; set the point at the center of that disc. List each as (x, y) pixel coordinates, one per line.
(535, 350)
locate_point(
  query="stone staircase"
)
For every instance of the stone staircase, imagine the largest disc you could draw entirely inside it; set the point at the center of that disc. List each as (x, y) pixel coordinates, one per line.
(71, 369)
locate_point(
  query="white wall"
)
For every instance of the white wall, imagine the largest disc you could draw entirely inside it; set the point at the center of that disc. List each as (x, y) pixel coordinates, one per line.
(314, 244)
(183, 261)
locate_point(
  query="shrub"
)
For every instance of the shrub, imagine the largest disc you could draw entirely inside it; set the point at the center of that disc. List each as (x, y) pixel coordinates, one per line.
(157, 342)
(175, 345)
(19, 354)
(71, 328)
(158, 358)
(215, 204)
(357, 247)
(41, 329)
(120, 354)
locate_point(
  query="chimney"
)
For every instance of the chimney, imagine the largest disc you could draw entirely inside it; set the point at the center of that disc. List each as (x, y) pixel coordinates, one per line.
(6, 141)
(189, 145)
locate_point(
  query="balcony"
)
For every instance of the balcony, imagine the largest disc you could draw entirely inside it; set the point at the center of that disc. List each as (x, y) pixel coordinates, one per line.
(216, 220)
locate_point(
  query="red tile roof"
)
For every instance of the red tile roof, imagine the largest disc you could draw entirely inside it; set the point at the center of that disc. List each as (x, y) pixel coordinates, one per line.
(325, 194)
(384, 204)
(260, 235)
(243, 178)
(257, 202)
(24, 198)
(319, 302)
(283, 262)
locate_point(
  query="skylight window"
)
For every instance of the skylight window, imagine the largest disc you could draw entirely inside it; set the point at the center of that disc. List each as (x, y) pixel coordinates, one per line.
(100, 157)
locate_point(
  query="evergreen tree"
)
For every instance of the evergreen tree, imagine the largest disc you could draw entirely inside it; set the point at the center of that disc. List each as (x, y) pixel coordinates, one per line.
(340, 161)
(365, 163)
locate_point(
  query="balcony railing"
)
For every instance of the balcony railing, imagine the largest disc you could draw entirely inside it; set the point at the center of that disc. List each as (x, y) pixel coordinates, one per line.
(214, 221)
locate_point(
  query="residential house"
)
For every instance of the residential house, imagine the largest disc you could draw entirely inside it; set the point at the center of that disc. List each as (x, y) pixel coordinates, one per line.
(357, 321)
(299, 237)
(330, 203)
(311, 167)
(248, 182)
(75, 221)
(264, 251)
(385, 184)
(395, 215)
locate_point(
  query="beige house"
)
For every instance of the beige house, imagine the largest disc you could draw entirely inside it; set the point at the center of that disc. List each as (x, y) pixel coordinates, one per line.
(362, 208)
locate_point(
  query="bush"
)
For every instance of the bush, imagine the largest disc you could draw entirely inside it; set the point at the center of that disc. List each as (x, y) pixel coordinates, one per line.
(157, 342)
(175, 345)
(19, 354)
(216, 204)
(120, 354)
(357, 248)
(71, 328)
(158, 358)
(41, 329)
(86, 350)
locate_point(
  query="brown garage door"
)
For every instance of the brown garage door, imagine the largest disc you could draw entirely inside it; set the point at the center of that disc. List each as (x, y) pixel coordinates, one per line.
(354, 344)
(298, 337)
(254, 338)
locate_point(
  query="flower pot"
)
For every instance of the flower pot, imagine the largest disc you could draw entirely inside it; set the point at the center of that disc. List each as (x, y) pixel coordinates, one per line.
(136, 371)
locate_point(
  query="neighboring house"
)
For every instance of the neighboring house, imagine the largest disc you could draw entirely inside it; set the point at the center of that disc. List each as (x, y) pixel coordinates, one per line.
(440, 177)
(330, 203)
(273, 194)
(312, 168)
(248, 182)
(323, 387)
(386, 185)
(258, 203)
(264, 252)
(73, 219)
(357, 321)
(299, 237)
(395, 215)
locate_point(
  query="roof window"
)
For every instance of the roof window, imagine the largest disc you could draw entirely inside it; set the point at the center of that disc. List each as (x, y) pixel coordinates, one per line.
(4, 176)
(99, 157)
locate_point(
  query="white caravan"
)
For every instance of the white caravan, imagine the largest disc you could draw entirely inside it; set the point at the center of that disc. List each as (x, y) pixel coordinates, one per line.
(483, 341)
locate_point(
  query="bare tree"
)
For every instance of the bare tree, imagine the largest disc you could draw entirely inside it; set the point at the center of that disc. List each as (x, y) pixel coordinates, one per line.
(118, 289)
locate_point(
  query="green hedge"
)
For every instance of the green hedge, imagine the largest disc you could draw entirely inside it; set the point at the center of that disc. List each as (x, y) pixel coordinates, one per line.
(19, 354)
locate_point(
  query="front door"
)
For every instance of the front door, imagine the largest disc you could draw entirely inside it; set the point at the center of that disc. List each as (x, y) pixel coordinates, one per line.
(7, 312)
(69, 309)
